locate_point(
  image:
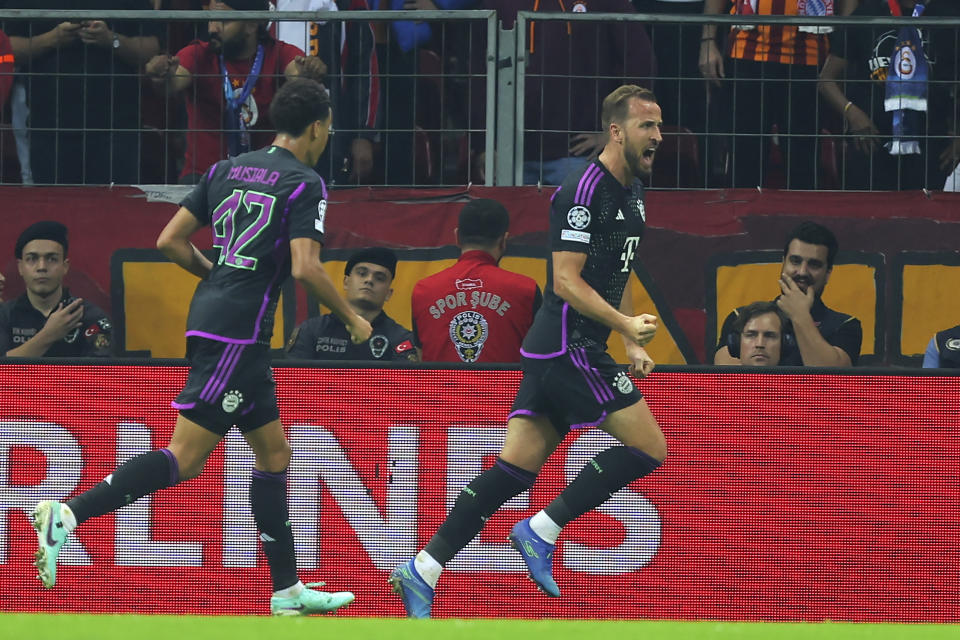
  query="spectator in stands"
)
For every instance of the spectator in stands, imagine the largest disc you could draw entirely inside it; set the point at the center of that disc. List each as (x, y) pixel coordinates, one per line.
(878, 159)
(824, 337)
(83, 90)
(678, 83)
(243, 54)
(6, 68)
(786, 59)
(943, 352)
(3, 283)
(367, 281)
(46, 321)
(474, 311)
(354, 82)
(570, 67)
(761, 336)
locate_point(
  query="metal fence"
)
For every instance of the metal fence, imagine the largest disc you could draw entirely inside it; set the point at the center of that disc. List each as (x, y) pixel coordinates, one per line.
(472, 96)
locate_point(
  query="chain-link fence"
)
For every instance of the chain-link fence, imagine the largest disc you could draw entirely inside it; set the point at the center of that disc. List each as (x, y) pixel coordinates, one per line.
(489, 97)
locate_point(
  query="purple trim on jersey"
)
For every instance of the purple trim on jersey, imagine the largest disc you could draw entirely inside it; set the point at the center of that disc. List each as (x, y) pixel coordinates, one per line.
(593, 378)
(234, 359)
(591, 188)
(248, 409)
(555, 193)
(584, 179)
(527, 478)
(282, 240)
(563, 339)
(213, 168)
(524, 412)
(272, 477)
(207, 393)
(597, 423)
(323, 188)
(218, 338)
(180, 406)
(174, 466)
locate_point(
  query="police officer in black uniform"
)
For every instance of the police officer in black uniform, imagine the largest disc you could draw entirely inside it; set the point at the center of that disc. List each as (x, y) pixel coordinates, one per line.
(367, 282)
(46, 321)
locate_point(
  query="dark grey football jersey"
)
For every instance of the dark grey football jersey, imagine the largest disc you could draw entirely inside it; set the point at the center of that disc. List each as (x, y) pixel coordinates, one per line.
(590, 213)
(255, 204)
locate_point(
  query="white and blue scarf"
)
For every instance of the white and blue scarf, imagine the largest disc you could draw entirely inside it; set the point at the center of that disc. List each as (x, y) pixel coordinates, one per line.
(906, 89)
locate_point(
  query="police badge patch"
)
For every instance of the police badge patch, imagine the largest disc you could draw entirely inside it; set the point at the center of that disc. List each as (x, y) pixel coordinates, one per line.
(468, 331)
(378, 345)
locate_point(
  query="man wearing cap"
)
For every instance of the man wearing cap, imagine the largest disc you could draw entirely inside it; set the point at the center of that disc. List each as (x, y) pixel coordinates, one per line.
(367, 282)
(475, 311)
(46, 321)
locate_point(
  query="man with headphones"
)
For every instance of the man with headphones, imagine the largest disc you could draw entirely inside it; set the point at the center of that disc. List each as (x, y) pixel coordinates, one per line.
(762, 336)
(824, 337)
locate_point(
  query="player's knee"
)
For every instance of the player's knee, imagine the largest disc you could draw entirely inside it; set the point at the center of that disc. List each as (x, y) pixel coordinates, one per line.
(190, 463)
(190, 469)
(660, 451)
(657, 447)
(276, 459)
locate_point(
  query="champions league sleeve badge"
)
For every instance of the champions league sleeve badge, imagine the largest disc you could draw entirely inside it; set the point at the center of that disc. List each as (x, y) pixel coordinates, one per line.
(378, 345)
(468, 332)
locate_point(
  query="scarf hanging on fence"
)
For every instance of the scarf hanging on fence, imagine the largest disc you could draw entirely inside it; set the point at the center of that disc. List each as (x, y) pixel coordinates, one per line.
(906, 89)
(234, 119)
(815, 8)
(804, 8)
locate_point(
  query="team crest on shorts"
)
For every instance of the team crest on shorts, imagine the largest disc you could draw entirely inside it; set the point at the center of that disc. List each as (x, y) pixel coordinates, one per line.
(578, 217)
(231, 401)
(378, 345)
(623, 383)
(953, 344)
(468, 331)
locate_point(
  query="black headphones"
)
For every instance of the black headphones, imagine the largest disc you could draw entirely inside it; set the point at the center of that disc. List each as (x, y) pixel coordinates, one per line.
(788, 341)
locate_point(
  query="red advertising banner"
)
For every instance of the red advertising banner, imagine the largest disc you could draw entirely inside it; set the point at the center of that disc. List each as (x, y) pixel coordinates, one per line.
(785, 497)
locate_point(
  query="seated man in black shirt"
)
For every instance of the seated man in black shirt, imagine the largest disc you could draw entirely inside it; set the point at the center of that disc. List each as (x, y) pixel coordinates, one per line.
(367, 281)
(46, 321)
(824, 337)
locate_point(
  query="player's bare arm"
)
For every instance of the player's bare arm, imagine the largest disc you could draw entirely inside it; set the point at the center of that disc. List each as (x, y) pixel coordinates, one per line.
(569, 285)
(639, 361)
(306, 267)
(174, 242)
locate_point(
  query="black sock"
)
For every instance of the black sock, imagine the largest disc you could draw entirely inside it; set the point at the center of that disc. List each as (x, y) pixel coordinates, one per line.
(611, 470)
(477, 501)
(268, 502)
(135, 478)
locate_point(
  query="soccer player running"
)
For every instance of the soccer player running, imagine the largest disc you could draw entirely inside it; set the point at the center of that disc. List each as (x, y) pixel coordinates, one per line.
(266, 210)
(569, 380)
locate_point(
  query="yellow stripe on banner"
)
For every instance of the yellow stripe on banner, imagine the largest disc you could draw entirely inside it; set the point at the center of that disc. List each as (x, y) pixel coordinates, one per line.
(156, 299)
(930, 304)
(663, 349)
(851, 289)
